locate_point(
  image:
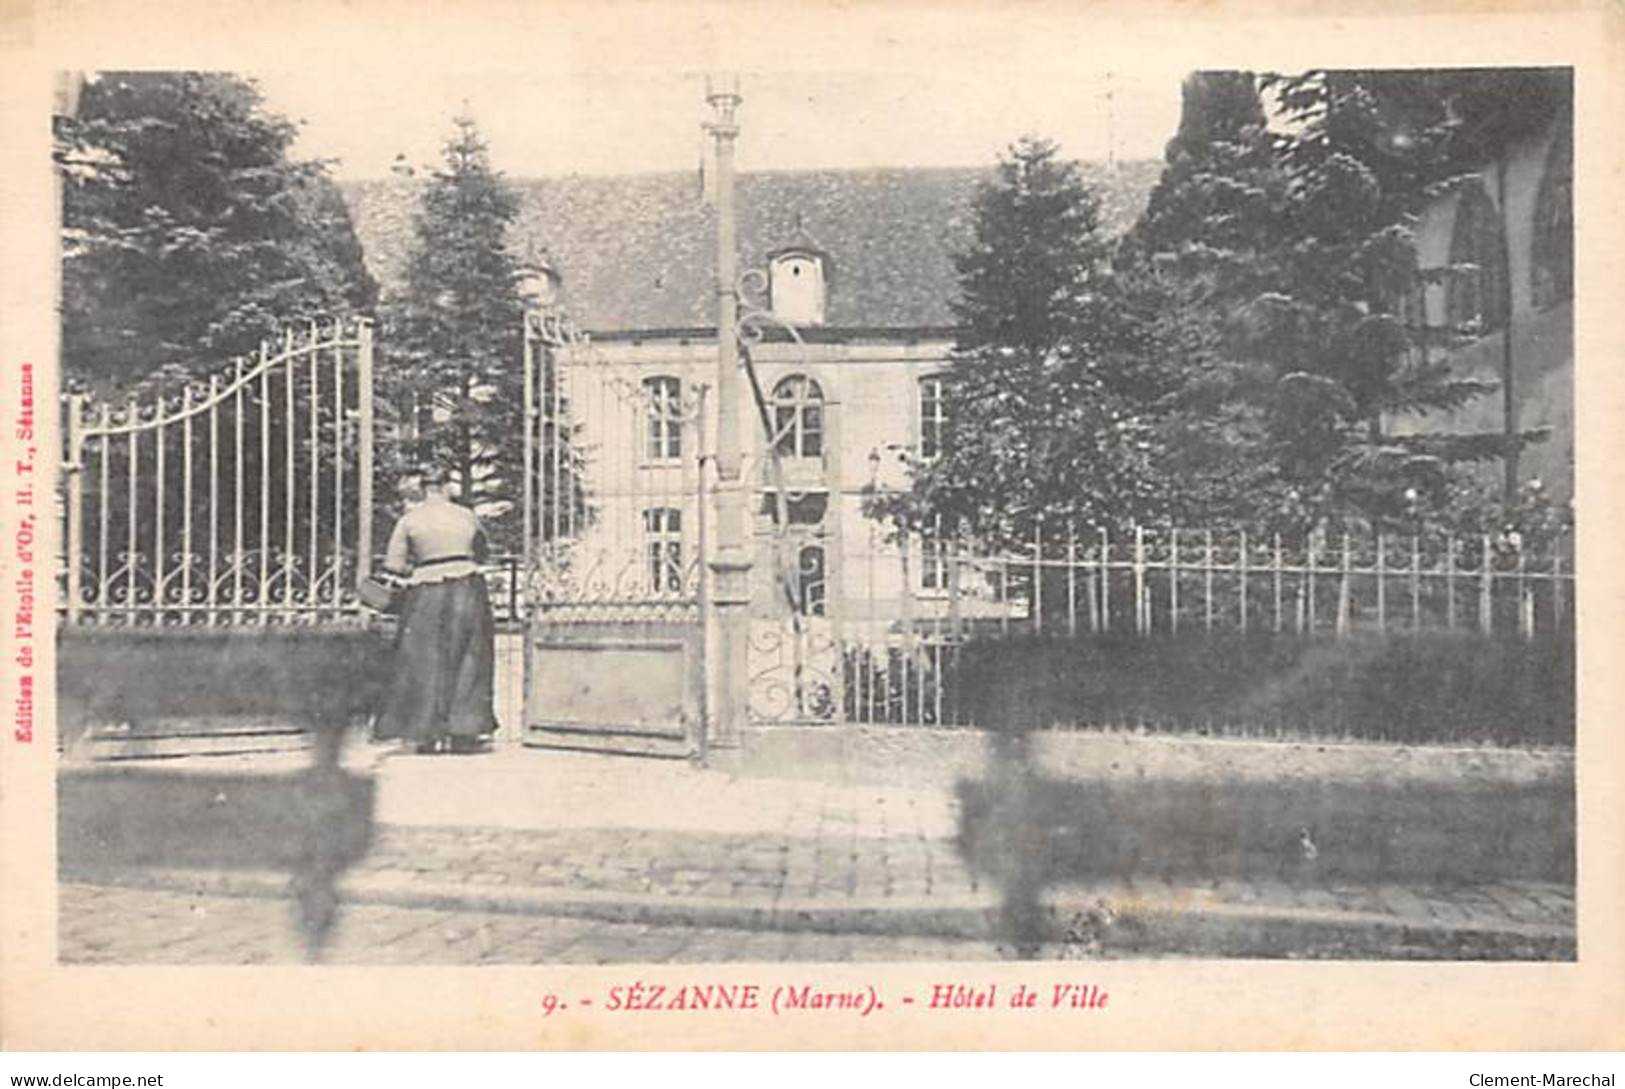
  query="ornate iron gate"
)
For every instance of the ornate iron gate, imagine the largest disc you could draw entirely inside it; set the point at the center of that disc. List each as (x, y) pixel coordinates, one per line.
(245, 498)
(615, 515)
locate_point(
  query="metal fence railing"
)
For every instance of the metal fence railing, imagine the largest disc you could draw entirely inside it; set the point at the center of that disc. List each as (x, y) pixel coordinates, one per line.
(504, 579)
(881, 640)
(1172, 580)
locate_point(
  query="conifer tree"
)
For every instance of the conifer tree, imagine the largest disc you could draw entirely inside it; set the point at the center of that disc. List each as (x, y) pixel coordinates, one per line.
(455, 332)
(1197, 253)
(1364, 152)
(1048, 391)
(1296, 239)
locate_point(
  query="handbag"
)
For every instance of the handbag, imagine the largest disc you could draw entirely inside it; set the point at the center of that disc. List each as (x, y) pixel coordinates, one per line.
(378, 594)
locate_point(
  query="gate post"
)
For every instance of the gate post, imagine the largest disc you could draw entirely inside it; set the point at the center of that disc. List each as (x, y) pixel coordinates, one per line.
(731, 567)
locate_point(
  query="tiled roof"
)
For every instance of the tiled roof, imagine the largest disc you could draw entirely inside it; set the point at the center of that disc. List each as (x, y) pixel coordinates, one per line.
(636, 252)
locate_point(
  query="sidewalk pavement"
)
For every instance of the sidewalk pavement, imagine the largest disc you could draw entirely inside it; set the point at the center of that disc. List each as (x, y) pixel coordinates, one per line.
(629, 843)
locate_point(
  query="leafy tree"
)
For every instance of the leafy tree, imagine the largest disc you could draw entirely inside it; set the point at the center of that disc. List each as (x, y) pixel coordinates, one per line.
(455, 331)
(189, 234)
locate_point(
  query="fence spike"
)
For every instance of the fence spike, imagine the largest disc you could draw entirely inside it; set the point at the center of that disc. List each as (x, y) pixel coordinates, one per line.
(1037, 596)
(1173, 579)
(73, 536)
(1450, 558)
(1345, 590)
(1276, 568)
(103, 511)
(1416, 583)
(214, 496)
(262, 595)
(131, 518)
(186, 502)
(313, 470)
(1139, 581)
(1241, 561)
(290, 479)
(338, 464)
(1207, 579)
(1105, 580)
(1071, 579)
(1382, 586)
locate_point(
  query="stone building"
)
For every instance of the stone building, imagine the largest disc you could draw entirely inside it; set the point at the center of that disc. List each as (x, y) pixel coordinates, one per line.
(1515, 224)
(860, 262)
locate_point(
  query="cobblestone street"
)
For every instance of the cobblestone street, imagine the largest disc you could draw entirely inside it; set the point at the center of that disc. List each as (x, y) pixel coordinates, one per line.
(110, 925)
(103, 925)
(525, 857)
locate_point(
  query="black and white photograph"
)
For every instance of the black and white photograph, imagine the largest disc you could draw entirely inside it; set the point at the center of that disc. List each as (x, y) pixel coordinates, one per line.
(740, 515)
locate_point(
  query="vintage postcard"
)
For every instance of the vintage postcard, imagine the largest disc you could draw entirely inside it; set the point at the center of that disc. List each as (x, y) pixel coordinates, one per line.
(810, 526)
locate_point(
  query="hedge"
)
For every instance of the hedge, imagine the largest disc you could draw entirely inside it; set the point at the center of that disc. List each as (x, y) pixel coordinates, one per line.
(1413, 688)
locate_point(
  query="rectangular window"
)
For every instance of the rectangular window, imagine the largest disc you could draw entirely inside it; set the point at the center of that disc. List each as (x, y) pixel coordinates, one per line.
(933, 565)
(798, 417)
(784, 429)
(799, 430)
(812, 431)
(933, 559)
(801, 509)
(663, 439)
(933, 417)
(663, 529)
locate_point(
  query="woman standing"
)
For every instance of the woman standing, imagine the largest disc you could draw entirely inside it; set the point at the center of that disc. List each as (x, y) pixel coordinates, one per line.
(440, 695)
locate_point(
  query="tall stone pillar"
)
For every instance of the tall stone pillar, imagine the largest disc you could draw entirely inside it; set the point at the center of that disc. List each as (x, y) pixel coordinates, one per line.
(730, 565)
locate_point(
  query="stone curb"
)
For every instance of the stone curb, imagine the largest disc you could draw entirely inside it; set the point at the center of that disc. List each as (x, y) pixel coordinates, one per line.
(1169, 925)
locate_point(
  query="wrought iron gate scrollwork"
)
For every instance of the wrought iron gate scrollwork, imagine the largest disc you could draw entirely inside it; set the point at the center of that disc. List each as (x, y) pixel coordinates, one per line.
(794, 673)
(245, 498)
(615, 511)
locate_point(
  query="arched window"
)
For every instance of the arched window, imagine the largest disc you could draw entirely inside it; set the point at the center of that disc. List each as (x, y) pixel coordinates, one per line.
(1551, 265)
(663, 436)
(798, 417)
(663, 531)
(1411, 310)
(1477, 299)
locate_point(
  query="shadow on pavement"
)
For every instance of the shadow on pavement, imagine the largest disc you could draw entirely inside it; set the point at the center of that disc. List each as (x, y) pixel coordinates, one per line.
(311, 823)
(1032, 834)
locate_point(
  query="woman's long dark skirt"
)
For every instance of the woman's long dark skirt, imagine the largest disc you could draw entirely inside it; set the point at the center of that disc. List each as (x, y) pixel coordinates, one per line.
(444, 657)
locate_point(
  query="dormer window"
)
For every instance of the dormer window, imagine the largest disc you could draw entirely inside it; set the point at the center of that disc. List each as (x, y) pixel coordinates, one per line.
(798, 280)
(538, 282)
